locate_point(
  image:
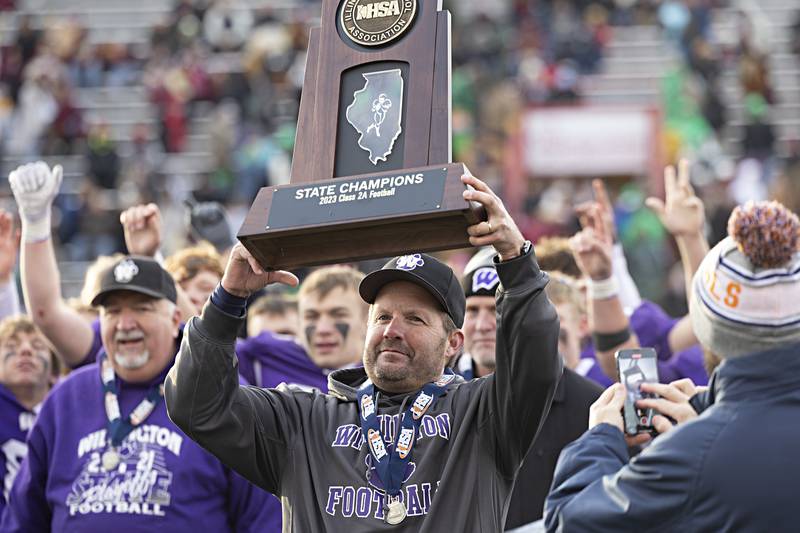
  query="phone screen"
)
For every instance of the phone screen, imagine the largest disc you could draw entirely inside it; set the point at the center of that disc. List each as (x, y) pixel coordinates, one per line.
(636, 366)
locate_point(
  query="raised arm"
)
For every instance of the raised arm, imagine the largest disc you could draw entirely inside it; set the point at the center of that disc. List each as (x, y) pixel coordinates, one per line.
(683, 215)
(249, 429)
(528, 366)
(608, 323)
(629, 295)
(35, 186)
(142, 227)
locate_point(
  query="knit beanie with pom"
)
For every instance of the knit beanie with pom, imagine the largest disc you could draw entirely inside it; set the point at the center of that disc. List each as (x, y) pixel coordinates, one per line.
(746, 293)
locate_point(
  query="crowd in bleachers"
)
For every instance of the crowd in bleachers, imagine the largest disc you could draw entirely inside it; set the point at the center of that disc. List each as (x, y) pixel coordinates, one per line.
(241, 69)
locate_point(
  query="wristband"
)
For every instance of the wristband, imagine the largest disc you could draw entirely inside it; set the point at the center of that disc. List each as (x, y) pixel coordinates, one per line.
(36, 230)
(603, 289)
(229, 303)
(606, 341)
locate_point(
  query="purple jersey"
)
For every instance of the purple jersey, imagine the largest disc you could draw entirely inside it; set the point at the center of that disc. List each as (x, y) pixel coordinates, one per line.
(164, 481)
(15, 421)
(268, 360)
(652, 326)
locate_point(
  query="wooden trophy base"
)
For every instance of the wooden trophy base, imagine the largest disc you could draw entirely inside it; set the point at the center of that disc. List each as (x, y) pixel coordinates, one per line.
(361, 217)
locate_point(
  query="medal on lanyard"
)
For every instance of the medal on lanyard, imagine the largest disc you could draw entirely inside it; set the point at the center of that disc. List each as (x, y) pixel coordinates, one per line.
(119, 428)
(391, 466)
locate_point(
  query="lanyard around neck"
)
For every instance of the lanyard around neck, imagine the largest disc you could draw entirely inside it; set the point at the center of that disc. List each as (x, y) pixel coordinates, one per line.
(118, 427)
(391, 461)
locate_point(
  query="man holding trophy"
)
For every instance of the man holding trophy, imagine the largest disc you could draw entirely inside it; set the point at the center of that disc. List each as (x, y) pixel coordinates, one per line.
(400, 444)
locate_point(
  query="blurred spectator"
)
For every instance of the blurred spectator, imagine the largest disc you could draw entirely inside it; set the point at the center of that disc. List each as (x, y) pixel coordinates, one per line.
(674, 17)
(99, 232)
(713, 107)
(67, 127)
(102, 157)
(276, 313)
(140, 168)
(36, 106)
(759, 134)
(565, 83)
(227, 25)
(754, 76)
(786, 188)
(27, 41)
(703, 59)
(795, 35)
(682, 101)
(198, 270)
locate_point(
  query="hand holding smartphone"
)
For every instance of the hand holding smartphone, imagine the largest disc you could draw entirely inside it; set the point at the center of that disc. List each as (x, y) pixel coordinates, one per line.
(634, 367)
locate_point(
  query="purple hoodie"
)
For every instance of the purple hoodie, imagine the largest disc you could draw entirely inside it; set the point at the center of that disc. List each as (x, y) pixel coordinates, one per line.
(652, 326)
(15, 421)
(165, 482)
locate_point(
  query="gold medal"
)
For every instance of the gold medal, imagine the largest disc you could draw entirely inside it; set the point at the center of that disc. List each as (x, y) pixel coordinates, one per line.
(110, 459)
(395, 512)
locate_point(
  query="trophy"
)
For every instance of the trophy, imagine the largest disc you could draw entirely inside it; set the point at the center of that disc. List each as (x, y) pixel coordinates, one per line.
(372, 172)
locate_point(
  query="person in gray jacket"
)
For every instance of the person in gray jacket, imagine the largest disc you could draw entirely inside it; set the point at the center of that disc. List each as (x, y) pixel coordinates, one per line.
(400, 444)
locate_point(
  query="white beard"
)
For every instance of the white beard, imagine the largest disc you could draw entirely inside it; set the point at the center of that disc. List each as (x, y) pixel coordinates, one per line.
(132, 361)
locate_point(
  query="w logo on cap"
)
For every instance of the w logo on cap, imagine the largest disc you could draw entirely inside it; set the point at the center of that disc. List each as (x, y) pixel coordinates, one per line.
(125, 271)
(485, 278)
(410, 262)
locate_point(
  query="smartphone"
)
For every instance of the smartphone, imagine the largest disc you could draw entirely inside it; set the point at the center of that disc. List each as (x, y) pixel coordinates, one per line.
(634, 367)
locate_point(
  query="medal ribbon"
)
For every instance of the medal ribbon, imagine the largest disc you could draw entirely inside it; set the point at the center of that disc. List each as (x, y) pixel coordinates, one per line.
(391, 467)
(118, 427)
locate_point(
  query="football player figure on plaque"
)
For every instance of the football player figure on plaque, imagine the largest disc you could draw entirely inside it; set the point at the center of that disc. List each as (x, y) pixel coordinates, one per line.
(372, 174)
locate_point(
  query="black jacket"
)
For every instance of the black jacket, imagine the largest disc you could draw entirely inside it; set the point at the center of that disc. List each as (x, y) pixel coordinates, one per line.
(307, 447)
(733, 469)
(567, 420)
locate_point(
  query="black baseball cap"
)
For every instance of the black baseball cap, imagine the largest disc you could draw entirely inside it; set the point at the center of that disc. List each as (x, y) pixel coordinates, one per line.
(136, 274)
(423, 270)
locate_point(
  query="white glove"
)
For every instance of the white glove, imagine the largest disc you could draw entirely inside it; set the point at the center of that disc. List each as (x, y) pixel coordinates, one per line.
(35, 187)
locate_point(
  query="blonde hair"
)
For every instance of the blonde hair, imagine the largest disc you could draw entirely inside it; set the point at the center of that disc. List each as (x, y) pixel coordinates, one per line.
(321, 282)
(564, 289)
(189, 262)
(555, 255)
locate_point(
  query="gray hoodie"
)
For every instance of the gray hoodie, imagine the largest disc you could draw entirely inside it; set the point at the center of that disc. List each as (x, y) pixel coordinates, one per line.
(307, 447)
